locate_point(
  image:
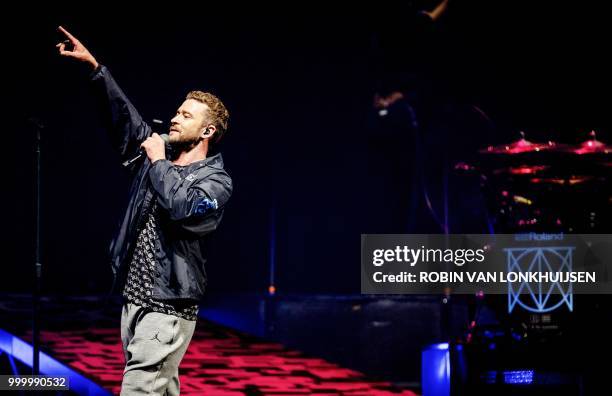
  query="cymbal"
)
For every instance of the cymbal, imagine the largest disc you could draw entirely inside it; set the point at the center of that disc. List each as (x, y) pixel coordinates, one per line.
(591, 146)
(522, 170)
(520, 146)
(567, 181)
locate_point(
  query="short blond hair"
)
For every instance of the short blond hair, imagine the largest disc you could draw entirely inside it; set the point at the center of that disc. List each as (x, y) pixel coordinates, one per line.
(217, 113)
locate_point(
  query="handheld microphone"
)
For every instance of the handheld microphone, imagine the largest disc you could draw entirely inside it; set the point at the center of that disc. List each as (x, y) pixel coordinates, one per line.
(142, 153)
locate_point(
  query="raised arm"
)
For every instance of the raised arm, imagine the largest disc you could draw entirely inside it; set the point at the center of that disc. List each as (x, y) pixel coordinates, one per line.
(127, 130)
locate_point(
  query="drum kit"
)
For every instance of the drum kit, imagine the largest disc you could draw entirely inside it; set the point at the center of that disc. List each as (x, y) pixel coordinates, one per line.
(546, 186)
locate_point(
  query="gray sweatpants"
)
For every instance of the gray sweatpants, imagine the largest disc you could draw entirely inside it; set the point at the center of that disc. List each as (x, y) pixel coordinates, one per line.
(153, 344)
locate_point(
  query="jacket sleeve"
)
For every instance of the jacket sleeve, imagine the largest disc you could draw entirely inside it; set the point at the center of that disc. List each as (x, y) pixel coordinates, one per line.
(125, 126)
(197, 203)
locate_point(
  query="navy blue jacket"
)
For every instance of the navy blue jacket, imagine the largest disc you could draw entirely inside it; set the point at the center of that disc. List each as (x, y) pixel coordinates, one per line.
(191, 201)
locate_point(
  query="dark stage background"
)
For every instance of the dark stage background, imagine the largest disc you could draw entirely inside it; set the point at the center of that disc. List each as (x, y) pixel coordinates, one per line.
(299, 86)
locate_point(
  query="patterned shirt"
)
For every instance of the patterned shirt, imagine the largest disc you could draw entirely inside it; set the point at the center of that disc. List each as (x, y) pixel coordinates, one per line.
(141, 274)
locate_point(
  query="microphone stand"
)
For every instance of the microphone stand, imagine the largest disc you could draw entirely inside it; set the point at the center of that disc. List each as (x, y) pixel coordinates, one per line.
(38, 127)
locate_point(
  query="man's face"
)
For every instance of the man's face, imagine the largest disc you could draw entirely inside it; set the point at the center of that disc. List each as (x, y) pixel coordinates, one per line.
(189, 122)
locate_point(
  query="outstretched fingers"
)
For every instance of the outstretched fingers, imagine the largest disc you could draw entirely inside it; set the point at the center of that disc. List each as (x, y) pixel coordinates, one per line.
(70, 36)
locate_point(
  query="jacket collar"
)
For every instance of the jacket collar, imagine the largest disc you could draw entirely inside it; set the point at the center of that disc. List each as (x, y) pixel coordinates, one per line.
(215, 161)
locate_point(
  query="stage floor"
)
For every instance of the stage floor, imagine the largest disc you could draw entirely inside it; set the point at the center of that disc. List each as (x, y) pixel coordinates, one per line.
(83, 333)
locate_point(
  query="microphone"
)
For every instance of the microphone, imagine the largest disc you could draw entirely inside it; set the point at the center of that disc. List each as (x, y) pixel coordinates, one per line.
(142, 153)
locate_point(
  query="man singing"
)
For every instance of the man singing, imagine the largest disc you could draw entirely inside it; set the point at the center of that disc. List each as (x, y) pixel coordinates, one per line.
(175, 202)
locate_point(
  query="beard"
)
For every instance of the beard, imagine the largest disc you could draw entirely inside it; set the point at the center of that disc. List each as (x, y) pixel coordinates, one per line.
(176, 147)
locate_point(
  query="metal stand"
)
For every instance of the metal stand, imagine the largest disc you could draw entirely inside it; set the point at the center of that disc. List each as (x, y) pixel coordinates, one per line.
(38, 127)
